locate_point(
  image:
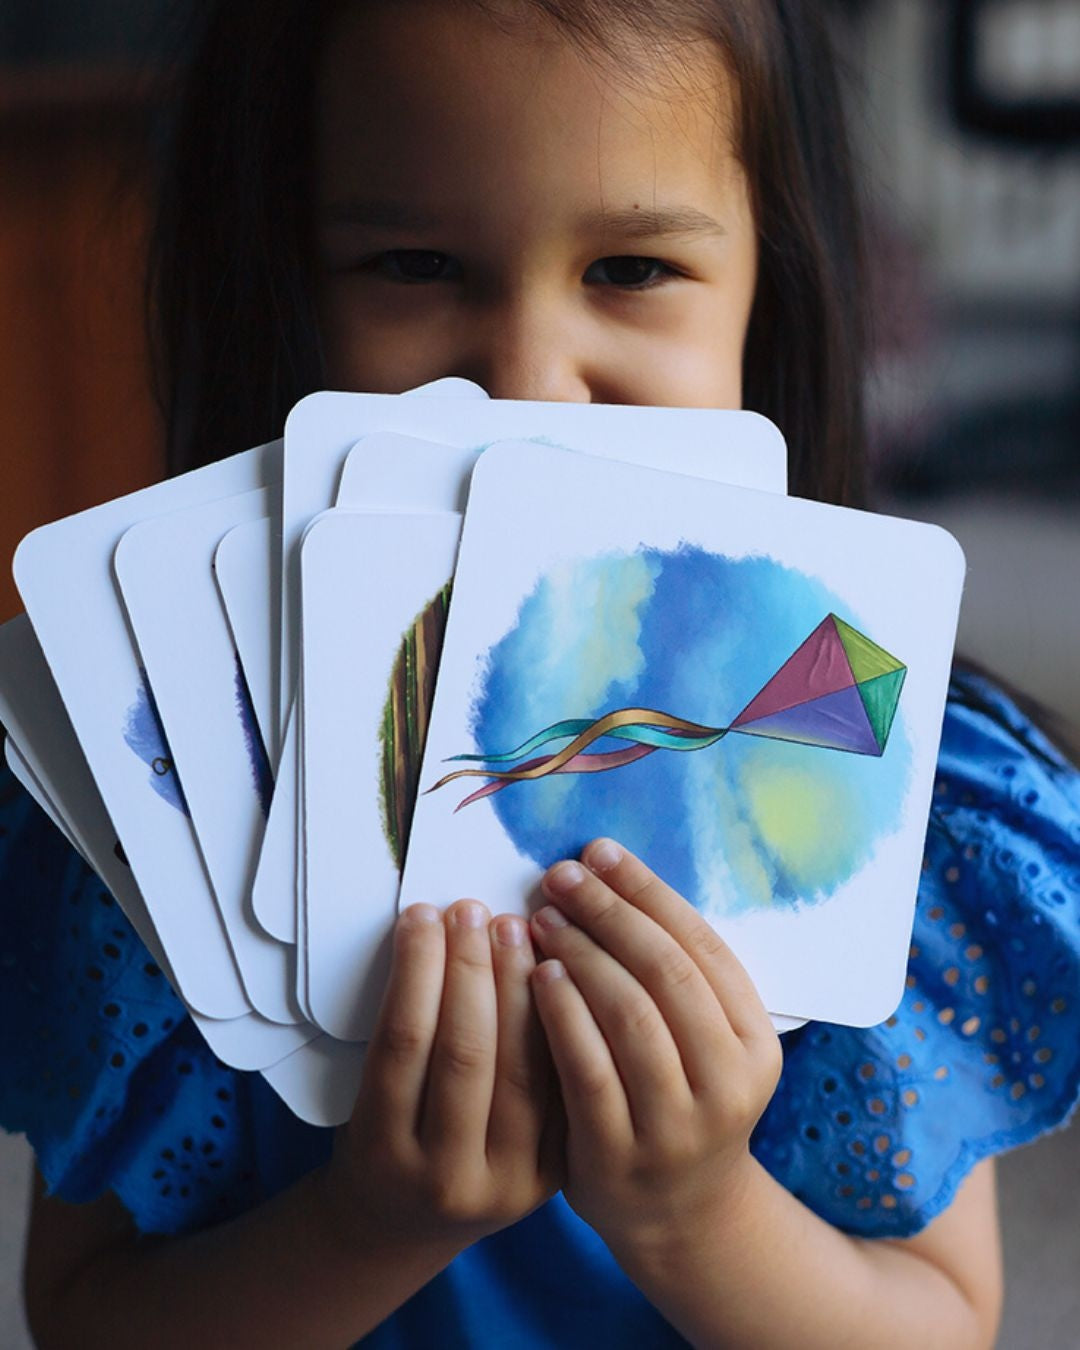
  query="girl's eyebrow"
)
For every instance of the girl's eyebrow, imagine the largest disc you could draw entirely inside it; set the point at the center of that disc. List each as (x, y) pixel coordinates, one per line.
(631, 222)
(634, 222)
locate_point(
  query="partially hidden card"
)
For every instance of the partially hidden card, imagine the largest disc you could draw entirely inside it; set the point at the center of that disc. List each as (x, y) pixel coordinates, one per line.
(31, 710)
(321, 429)
(165, 573)
(242, 563)
(372, 633)
(64, 573)
(255, 614)
(375, 590)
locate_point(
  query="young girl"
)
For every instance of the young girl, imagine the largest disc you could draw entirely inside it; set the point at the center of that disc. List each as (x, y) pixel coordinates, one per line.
(575, 1132)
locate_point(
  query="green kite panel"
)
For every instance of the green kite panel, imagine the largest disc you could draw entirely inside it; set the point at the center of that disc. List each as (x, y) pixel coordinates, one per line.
(866, 658)
(880, 697)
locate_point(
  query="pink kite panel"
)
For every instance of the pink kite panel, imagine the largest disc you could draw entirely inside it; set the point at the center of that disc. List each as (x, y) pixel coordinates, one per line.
(820, 666)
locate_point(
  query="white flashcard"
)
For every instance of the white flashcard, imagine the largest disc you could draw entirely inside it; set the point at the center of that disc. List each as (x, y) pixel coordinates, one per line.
(32, 711)
(164, 569)
(375, 592)
(278, 880)
(300, 909)
(385, 472)
(248, 570)
(451, 386)
(321, 429)
(242, 568)
(64, 573)
(382, 472)
(390, 472)
(745, 689)
(319, 1082)
(342, 927)
(274, 887)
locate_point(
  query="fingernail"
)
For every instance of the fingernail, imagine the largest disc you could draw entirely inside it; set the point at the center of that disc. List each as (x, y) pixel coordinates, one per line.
(470, 915)
(510, 932)
(425, 914)
(604, 853)
(548, 971)
(550, 917)
(564, 877)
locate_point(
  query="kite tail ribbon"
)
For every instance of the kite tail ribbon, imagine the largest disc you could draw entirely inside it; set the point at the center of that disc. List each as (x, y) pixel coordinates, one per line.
(647, 729)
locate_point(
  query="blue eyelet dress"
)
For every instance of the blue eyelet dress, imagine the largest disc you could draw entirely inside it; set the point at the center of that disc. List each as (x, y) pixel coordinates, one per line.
(874, 1129)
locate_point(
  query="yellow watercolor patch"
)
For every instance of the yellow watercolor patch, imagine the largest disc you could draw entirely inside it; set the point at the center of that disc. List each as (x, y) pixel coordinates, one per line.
(801, 816)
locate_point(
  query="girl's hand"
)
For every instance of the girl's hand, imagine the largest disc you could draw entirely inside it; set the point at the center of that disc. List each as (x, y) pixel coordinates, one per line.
(665, 1055)
(452, 1135)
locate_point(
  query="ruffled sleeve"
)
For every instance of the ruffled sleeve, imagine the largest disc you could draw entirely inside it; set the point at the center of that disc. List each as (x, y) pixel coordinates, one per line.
(875, 1129)
(100, 1066)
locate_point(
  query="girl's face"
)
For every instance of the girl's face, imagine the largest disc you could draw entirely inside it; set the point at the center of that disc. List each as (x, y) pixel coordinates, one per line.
(494, 204)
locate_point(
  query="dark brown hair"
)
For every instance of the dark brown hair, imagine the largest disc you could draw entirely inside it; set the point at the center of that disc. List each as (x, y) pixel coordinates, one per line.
(231, 290)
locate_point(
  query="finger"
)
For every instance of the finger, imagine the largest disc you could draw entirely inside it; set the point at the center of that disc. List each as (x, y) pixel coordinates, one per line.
(396, 1065)
(522, 1066)
(593, 1096)
(640, 1042)
(694, 1016)
(457, 1103)
(642, 888)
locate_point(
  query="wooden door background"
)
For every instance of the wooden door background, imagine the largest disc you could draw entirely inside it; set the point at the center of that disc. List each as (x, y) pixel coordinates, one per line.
(78, 424)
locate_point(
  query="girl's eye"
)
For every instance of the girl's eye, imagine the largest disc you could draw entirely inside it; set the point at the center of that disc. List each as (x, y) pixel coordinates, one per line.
(635, 274)
(416, 265)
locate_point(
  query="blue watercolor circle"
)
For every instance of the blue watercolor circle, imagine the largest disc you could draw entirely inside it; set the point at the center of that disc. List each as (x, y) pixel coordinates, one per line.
(745, 823)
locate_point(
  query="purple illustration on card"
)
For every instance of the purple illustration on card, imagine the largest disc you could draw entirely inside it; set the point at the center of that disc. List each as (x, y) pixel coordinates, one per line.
(261, 775)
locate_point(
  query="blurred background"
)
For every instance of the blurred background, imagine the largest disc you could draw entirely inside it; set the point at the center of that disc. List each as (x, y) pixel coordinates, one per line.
(967, 118)
(968, 125)
(78, 94)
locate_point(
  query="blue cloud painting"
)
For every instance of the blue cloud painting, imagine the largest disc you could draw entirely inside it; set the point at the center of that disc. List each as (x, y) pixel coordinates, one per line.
(749, 822)
(144, 734)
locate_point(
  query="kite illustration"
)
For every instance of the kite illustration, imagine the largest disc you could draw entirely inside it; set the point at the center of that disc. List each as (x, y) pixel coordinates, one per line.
(837, 691)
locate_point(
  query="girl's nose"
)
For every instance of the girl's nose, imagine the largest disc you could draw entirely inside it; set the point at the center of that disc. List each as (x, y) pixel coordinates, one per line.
(528, 350)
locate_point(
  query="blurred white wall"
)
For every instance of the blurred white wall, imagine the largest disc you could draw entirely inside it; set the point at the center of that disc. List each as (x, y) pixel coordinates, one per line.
(997, 223)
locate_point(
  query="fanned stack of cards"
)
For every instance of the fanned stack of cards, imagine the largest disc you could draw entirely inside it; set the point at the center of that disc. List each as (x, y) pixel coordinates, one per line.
(427, 645)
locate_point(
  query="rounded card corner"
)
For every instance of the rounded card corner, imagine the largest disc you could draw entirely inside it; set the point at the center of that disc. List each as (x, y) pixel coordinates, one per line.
(773, 431)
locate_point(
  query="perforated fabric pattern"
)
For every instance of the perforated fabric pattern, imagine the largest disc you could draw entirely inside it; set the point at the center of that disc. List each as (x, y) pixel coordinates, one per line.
(874, 1129)
(102, 1068)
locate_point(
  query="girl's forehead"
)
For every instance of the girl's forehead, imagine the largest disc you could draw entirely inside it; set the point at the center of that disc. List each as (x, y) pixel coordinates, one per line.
(441, 100)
